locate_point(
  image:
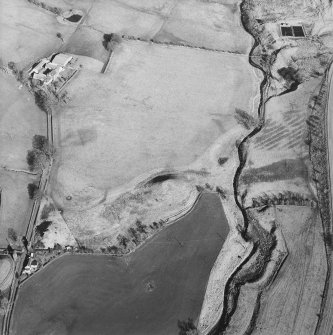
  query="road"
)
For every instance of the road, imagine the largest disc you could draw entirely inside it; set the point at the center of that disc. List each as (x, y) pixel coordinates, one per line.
(29, 234)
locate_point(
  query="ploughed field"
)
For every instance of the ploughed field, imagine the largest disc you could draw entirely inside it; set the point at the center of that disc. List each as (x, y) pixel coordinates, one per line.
(143, 293)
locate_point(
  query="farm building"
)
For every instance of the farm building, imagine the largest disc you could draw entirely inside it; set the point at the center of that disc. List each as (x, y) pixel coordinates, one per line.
(48, 70)
(31, 267)
(61, 59)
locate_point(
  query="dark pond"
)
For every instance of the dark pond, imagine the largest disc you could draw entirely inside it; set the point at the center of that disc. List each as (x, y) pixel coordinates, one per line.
(141, 294)
(74, 18)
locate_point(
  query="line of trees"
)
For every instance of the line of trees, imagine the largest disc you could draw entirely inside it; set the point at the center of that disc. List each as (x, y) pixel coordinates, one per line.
(285, 198)
(40, 154)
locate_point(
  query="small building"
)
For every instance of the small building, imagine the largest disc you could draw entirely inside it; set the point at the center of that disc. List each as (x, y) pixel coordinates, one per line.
(38, 67)
(34, 265)
(61, 59)
(39, 76)
(31, 267)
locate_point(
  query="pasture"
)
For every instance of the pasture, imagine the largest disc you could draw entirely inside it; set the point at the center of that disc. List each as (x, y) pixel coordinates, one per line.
(28, 32)
(214, 25)
(20, 120)
(158, 107)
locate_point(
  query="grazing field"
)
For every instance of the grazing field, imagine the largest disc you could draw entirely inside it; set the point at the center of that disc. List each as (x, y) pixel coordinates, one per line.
(144, 293)
(213, 25)
(15, 204)
(22, 40)
(20, 120)
(153, 109)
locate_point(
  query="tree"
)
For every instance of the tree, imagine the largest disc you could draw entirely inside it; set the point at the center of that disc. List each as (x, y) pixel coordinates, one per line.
(110, 41)
(31, 159)
(133, 232)
(12, 234)
(42, 150)
(123, 240)
(41, 101)
(141, 227)
(222, 160)
(35, 159)
(32, 190)
(60, 36)
(112, 249)
(40, 142)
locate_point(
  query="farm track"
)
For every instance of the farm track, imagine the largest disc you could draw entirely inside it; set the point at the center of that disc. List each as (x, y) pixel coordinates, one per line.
(42, 185)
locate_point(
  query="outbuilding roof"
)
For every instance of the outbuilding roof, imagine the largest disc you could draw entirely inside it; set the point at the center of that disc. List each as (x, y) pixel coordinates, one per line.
(61, 59)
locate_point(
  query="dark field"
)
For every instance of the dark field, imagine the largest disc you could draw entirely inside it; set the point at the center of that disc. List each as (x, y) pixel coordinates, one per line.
(141, 294)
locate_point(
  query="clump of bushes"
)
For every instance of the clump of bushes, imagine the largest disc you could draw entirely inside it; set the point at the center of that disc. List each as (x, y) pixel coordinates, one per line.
(187, 327)
(289, 74)
(40, 154)
(43, 227)
(12, 234)
(46, 211)
(41, 100)
(32, 190)
(222, 160)
(245, 119)
(16, 72)
(110, 41)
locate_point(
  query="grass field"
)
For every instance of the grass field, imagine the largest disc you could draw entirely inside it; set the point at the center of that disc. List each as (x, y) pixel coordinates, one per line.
(15, 203)
(141, 294)
(204, 24)
(20, 120)
(21, 39)
(208, 24)
(156, 107)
